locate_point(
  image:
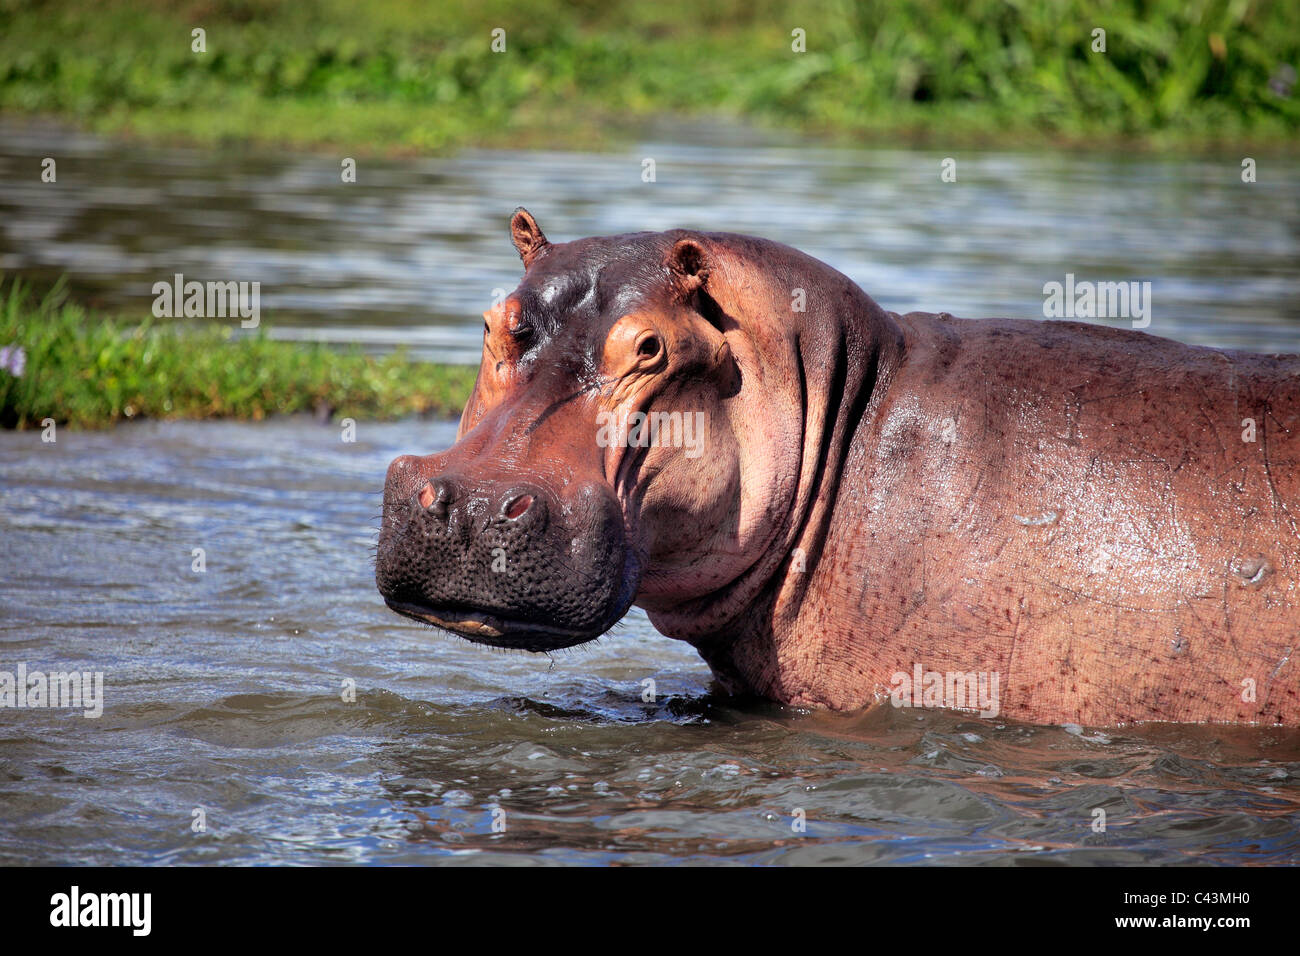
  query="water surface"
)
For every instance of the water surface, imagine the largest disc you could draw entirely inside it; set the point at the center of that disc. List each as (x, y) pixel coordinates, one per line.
(224, 693)
(413, 251)
(225, 689)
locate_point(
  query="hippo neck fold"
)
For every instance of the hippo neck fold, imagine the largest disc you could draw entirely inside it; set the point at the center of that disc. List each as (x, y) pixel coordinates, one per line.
(838, 358)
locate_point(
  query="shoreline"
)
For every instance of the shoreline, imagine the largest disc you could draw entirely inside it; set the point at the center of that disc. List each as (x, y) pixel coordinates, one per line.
(85, 369)
(622, 133)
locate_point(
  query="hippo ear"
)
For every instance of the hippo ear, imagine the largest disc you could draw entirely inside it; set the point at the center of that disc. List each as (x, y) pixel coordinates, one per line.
(689, 265)
(528, 236)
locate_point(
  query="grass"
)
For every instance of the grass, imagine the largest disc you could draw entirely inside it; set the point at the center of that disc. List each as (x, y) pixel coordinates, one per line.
(395, 76)
(92, 371)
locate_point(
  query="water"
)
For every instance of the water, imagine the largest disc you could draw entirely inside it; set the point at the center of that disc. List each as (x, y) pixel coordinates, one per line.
(224, 692)
(225, 689)
(412, 251)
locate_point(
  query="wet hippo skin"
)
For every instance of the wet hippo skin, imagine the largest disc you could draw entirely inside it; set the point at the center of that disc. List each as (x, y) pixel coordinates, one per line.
(1103, 520)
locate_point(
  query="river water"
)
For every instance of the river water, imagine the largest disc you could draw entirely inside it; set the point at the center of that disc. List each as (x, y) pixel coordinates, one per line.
(270, 709)
(412, 252)
(224, 692)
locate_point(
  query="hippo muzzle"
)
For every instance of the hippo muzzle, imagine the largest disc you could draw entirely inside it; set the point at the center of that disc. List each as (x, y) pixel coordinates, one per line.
(511, 563)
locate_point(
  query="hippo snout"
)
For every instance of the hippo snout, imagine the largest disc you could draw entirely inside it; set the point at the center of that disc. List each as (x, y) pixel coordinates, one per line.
(502, 560)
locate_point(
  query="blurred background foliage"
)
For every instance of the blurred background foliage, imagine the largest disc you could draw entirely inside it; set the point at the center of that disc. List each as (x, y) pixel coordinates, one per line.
(392, 76)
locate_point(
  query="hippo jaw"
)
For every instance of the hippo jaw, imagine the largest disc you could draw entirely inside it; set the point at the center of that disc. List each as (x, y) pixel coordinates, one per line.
(483, 628)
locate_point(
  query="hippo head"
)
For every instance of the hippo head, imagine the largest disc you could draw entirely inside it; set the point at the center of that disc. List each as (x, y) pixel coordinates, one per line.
(604, 456)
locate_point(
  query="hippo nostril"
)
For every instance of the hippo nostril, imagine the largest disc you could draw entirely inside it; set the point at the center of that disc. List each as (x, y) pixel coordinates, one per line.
(434, 497)
(518, 506)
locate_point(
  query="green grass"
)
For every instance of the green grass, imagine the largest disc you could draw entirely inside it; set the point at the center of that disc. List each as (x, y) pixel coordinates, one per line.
(399, 76)
(91, 371)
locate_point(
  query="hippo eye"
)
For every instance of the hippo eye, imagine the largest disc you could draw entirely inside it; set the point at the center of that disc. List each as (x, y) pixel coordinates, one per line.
(649, 347)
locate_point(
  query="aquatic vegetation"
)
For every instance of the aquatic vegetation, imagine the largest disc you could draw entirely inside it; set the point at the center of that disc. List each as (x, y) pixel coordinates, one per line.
(90, 370)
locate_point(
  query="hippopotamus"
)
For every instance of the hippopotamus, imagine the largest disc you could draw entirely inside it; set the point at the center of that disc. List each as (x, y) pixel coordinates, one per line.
(840, 506)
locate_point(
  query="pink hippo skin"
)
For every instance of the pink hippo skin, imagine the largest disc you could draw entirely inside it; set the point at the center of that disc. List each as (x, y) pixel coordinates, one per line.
(1078, 513)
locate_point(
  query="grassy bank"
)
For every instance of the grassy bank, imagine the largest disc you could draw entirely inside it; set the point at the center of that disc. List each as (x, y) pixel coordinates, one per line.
(92, 371)
(397, 76)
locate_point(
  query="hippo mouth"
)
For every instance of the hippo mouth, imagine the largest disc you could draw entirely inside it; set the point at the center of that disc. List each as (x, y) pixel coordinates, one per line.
(482, 627)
